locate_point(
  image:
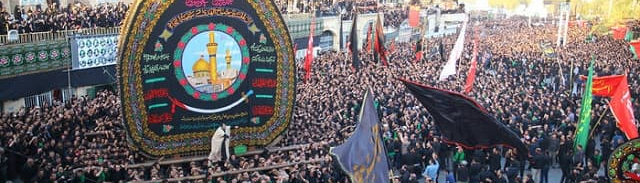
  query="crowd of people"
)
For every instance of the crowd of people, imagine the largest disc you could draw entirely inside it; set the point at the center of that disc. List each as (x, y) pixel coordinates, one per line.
(65, 141)
(55, 17)
(535, 94)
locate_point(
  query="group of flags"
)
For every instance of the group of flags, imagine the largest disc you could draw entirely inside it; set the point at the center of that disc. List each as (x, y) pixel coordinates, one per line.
(615, 87)
(460, 121)
(375, 42)
(623, 32)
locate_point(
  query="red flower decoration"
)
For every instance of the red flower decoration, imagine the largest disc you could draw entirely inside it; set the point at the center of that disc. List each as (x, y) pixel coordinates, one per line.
(242, 76)
(212, 26)
(177, 63)
(230, 90)
(229, 30)
(183, 82)
(196, 94)
(214, 96)
(181, 45)
(194, 30)
(243, 42)
(245, 60)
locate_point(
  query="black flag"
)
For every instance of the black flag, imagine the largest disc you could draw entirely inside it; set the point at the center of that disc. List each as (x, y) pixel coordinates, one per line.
(354, 44)
(464, 122)
(441, 50)
(341, 44)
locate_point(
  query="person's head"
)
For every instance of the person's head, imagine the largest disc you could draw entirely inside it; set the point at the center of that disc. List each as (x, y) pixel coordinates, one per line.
(428, 179)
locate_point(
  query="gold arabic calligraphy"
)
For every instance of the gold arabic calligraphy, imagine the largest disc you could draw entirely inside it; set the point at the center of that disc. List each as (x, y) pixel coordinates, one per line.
(363, 173)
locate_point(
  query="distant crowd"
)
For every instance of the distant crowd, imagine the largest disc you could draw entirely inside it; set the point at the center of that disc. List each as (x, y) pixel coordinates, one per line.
(55, 17)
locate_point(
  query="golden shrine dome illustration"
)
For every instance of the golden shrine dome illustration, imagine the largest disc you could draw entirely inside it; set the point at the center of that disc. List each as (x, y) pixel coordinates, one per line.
(201, 65)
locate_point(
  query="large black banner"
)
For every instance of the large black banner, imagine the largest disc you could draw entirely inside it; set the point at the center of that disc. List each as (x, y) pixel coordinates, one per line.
(186, 67)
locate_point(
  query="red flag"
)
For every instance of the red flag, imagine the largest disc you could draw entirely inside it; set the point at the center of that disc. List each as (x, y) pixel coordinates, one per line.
(379, 42)
(369, 41)
(392, 47)
(606, 85)
(636, 47)
(619, 32)
(471, 76)
(621, 108)
(309, 57)
(414, 16)
(617, 88)
(418, 50)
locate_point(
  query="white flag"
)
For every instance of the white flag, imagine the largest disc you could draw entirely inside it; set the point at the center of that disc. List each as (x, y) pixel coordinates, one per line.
(450, 67)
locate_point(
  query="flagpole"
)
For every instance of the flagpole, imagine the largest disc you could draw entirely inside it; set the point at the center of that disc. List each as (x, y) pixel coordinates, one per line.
(422, 33)
(598, 122)
(570, 79)
(559, 68)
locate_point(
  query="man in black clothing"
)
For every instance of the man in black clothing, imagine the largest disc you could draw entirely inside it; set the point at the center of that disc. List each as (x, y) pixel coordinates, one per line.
(554, 145)
(486, 175)
(544, 175)
(118, 174)
(412, 160)
(494, 160)
(513, 170)
(29, 171)
(474, 170)
(3, 166)
(537, 164)
(565, 165)
(462, 173)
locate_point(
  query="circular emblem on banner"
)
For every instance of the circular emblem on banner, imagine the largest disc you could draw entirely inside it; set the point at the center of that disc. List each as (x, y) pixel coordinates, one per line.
(195, 69)
(624, 162)
(187, 67)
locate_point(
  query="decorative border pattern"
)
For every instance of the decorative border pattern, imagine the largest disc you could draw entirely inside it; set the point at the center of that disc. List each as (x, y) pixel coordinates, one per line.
(18, 59)
(618, 156)
(244, 50)
(137, 31)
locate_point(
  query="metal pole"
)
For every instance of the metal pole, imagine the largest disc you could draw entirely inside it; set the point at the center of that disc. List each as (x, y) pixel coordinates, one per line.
(559, 28)
(610, 7)
(566, 27)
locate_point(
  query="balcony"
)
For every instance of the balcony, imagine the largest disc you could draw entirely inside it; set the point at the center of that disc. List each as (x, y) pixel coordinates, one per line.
(46, 51)
(59, 35)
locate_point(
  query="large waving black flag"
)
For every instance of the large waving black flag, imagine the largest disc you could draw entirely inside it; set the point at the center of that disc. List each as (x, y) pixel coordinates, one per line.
(464, 122)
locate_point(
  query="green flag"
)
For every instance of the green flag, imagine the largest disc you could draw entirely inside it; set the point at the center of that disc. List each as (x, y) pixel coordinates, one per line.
(633, 50)
(582, 135)
(629, 35)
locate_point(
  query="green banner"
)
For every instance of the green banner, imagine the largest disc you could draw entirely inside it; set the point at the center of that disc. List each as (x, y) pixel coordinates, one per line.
(34, 57)
(582, 135)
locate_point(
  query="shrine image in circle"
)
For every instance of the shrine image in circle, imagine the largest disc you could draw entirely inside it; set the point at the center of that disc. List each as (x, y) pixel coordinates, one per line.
(211, 61)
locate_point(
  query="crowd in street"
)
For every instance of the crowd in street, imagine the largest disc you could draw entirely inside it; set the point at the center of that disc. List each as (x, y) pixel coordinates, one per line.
(535, 94)
(55, 17)
(65, 141)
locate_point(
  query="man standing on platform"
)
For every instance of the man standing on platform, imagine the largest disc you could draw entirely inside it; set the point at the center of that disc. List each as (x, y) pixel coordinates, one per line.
(220, 144)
